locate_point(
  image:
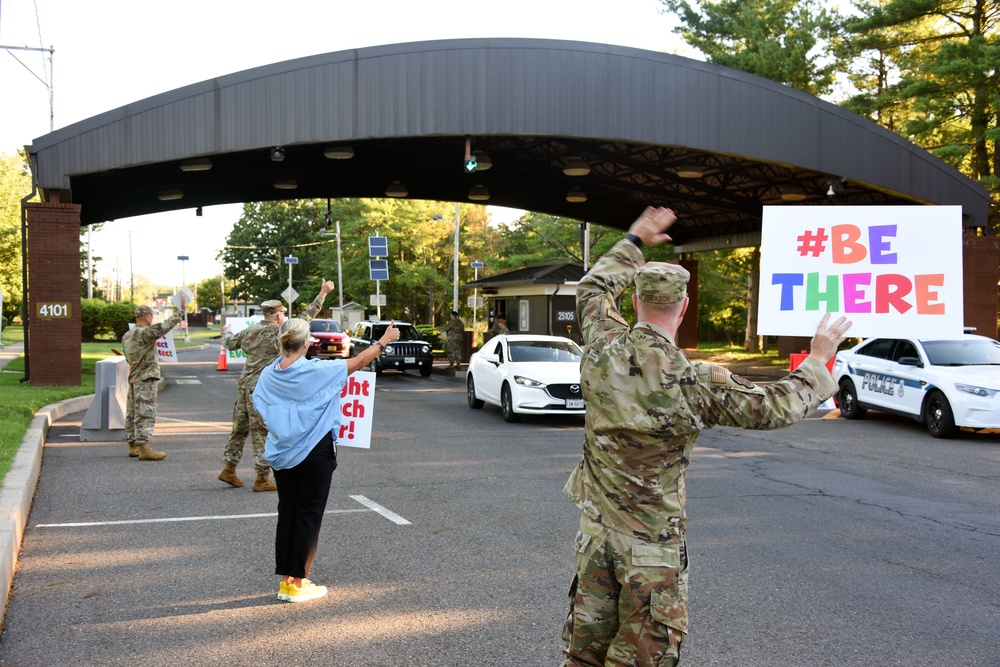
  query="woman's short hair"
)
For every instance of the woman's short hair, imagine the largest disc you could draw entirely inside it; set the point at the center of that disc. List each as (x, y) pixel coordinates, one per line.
(292, 333)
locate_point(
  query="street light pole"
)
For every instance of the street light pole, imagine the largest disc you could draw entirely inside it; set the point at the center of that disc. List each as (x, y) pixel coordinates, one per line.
(454, 299)
(187, 336)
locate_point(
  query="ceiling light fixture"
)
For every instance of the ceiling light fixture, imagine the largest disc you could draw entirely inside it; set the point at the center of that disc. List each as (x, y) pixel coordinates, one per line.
(793, 193)
(170, 195)
(690, 171)
(277, 154)
(576, 196)
(483, 162)
(479, 193)
(576, 167)
(287, 185)
(339, 153)
(396, 189)
(198, 164)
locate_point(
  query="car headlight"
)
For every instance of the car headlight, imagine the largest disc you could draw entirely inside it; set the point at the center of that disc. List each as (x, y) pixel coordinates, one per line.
(425, 349)
(388, 349)
(976, 391)
(527, 382)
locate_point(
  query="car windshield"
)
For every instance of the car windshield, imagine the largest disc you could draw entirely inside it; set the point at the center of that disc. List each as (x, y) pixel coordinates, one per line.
(976, 352)
(325, 326)
(544, 350)
(406, 332)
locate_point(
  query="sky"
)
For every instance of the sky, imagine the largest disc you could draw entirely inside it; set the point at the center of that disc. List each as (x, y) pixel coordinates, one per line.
(109, 53)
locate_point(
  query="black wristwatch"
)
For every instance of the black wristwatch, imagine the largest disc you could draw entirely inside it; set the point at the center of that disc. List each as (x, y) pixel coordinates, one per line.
(634, 239)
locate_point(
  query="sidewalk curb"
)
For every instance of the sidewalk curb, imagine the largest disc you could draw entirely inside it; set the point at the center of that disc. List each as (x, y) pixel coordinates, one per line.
(19, 484)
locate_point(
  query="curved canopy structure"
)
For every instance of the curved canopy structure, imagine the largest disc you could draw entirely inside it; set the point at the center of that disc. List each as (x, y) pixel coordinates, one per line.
(586, 131)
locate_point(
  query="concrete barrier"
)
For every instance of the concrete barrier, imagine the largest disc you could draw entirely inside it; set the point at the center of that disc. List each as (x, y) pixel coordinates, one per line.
(105, 420)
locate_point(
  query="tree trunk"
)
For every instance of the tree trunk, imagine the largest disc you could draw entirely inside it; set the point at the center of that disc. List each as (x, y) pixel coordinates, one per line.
(751, 343)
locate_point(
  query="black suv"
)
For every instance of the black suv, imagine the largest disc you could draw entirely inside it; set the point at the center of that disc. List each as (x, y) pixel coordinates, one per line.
(410, 351)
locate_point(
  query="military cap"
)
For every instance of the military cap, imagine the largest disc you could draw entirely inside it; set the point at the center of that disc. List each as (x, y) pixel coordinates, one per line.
(660, 282)
(271, 307)
(142, 311)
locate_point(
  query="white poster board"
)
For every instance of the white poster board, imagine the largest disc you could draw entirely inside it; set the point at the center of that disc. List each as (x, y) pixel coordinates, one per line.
(357, 408)
(894, 271)
(237, 324)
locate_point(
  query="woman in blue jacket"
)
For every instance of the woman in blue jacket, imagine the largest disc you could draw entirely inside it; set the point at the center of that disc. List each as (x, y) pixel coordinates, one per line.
(299, 400)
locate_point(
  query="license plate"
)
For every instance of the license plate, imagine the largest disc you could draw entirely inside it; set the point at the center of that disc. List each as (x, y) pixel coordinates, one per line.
(574, 403)
(409, 360)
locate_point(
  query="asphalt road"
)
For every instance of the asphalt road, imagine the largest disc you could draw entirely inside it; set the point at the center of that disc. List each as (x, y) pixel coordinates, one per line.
(829, 543)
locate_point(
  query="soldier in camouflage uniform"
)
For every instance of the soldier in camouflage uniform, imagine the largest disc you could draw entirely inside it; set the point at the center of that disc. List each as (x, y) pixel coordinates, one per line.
(259, 342)
(455, 329)
(646, 404)
(499, 328)
(139, 344)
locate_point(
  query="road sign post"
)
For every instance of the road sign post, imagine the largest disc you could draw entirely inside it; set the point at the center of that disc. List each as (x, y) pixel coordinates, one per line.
(290, 294)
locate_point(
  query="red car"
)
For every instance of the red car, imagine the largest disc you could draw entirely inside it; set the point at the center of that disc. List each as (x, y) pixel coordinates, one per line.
(328, 340)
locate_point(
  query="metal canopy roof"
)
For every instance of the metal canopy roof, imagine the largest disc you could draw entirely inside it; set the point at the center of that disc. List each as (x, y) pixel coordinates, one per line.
(713, 143)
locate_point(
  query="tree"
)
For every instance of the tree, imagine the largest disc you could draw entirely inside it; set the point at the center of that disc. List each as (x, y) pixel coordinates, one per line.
(945, 56)
(15, 183)
(86, 264)
(209, 294)
(782, 40)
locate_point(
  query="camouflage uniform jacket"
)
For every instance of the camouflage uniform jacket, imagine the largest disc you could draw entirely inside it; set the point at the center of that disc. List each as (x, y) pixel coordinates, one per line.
(497, 330)
(454, 328)
(140, 348)
(259, 342)
(646, 404)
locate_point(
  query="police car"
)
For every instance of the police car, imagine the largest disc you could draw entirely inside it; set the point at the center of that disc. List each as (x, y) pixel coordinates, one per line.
(947, 384)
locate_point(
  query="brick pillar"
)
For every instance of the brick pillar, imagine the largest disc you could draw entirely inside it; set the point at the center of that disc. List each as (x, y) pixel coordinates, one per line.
(981, 270)
(54, 295)
(687, 334)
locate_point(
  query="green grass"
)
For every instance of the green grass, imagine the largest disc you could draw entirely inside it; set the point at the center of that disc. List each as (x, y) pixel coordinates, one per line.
(19, 400)
(736, 353)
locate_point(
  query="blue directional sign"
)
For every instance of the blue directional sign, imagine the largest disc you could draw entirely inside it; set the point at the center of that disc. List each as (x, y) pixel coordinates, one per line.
(291, 260)
(378, 246)
(378, 269)
(477, 265)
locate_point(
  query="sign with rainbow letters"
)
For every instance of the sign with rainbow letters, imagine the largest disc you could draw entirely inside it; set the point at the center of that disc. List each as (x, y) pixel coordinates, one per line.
(894, 271)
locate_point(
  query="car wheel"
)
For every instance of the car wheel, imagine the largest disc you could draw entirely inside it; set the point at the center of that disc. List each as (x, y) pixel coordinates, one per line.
(425, 371)
(849, 406)
(470, 390)
(938, 416)
(507, 406)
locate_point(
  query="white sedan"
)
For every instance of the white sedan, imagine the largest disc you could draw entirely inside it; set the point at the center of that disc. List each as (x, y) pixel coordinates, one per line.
(527, 374)
(947, 384)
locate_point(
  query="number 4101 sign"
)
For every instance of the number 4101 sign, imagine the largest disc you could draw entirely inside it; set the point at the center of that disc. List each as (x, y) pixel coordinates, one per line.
(53, 311)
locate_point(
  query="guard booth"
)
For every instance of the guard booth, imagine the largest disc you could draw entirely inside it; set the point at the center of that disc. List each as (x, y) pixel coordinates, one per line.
(536, 299)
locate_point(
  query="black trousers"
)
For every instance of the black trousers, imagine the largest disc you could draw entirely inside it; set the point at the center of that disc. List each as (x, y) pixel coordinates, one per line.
(302, 495)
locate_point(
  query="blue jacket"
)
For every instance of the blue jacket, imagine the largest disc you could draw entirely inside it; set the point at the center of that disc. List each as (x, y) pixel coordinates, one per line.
(299, 405)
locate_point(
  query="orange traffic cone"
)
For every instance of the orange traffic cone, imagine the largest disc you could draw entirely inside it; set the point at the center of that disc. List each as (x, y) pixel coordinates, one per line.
(223, 359)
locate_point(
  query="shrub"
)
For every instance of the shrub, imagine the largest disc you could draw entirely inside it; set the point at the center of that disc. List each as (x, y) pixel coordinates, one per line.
(90, 318)
(117, 316)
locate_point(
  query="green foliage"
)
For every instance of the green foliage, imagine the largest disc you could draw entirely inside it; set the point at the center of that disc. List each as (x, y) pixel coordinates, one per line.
(116, 317)
(722, 294)
(15, 183)
(209, 294)
(91, 311)
(930, 70)
(782, 40)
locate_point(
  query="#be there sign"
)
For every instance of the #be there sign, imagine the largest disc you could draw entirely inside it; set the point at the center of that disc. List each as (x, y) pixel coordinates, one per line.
(895, 271)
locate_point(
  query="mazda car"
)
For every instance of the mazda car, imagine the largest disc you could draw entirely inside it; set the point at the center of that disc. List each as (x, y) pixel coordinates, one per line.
(947, 384)
(526, 374)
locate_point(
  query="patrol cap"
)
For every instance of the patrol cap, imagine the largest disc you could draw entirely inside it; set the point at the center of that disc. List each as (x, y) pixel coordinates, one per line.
(271, 307)
(660, 282)
(142, 311)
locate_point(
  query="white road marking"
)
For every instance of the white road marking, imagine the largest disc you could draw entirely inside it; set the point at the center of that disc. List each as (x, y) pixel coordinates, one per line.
(187, 381)
(179, 519)
(391, 516)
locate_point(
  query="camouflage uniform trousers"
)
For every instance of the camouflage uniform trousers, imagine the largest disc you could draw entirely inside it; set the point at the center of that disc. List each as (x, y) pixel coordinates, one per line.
(455, 349)
(628, 601)
(140, 412)
(246, 421)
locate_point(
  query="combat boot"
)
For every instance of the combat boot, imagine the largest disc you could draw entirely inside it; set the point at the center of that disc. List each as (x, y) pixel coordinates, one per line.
(264, 483)
(133, 449)
(147, 454)
(228, 475)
